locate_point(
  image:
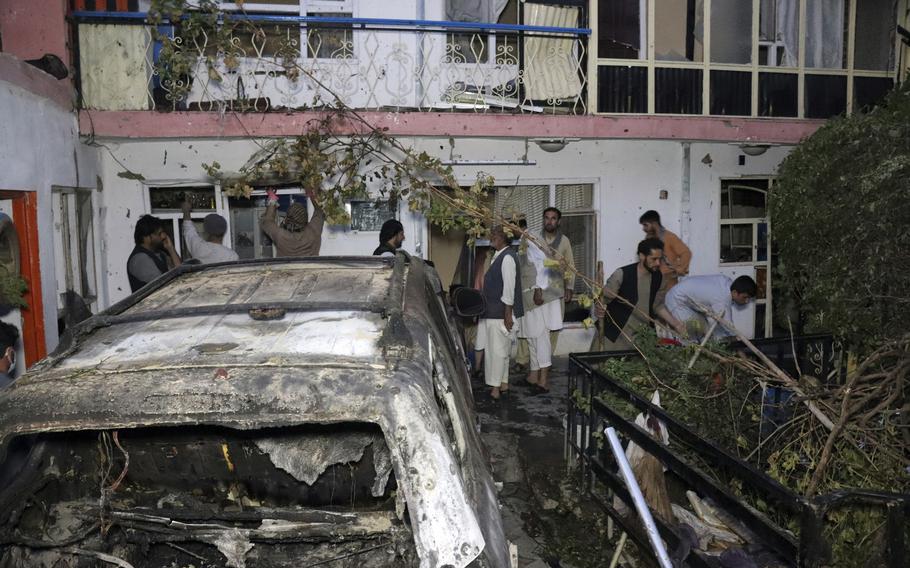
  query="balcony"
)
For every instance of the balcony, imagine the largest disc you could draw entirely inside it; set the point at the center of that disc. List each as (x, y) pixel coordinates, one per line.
(301, 62)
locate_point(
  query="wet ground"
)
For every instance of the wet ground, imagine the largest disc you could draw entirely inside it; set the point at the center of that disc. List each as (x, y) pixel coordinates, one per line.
(542, 512)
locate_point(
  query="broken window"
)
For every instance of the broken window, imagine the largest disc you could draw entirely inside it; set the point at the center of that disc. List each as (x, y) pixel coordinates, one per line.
(778, 94)
(826, 95)
(731, 31)
(731, 93)
(679, 29)
(622, 29)
(875, 29)
(369, 215)
(826, 33)
(778, 33)
(678, 91)
(74, 248)
(622, 89)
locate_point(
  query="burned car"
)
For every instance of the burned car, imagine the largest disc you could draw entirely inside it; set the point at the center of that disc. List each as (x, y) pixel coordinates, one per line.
(301, 412)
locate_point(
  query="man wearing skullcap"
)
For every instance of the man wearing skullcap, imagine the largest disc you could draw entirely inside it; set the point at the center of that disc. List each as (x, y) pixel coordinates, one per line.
(210, 249)
(390, 238)
(298, 236)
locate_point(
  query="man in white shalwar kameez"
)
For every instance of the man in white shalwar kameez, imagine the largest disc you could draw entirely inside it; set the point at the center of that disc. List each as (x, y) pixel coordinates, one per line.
(502, 294)
(543, 292)
(716, 293)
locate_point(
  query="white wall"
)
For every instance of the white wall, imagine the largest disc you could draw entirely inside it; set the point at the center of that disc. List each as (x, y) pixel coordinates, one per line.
(40, 148)
(629, 176)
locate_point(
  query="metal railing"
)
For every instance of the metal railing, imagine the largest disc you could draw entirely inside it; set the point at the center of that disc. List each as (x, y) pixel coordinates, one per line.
(300, 62)
(589, 414)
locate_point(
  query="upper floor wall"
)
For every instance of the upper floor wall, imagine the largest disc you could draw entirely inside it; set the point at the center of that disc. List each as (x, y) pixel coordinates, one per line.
(291, 55)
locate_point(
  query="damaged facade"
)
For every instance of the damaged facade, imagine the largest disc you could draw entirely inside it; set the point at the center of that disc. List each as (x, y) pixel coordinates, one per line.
(687, 108)
(254, 414)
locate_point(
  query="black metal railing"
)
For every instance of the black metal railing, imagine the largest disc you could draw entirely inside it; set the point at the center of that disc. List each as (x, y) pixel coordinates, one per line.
(589, 414)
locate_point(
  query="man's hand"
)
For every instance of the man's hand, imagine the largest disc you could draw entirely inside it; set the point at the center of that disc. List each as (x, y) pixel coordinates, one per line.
(187, 209)
(272, 195)
(311, 195)
(507, 320)
(569, 294)
(599, 310)
(167, 243)
(538, 297)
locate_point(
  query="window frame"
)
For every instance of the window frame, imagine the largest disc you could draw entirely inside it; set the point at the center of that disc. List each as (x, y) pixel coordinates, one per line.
(755, 264)
(651, 63)
(592, 212)
(69, 261)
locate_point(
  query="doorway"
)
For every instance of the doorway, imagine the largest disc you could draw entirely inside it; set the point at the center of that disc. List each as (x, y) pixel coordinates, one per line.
(22, 207)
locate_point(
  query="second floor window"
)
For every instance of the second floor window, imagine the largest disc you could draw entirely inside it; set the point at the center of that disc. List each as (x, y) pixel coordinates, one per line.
(323, 40)
(776, 58)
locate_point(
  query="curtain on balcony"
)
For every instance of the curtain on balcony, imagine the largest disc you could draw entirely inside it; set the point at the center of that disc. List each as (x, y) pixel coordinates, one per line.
(115, 63)
(550, 63)
(483, 11)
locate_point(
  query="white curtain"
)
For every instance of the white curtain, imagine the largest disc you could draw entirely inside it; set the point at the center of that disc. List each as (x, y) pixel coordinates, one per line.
(483, 11)
(550, 63)
(788, 31)
(825, 34)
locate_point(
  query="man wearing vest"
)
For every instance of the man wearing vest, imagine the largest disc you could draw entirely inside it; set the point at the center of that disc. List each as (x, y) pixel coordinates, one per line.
(154, 253)
(502, 291)
(640, 285)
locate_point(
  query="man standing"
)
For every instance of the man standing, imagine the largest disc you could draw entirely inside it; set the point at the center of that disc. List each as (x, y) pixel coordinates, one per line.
(9, 338)
(390, 238)
(715, 292)
(677, 255)
(153, 255)
(502, 291)
(562, 279)
(639, 284)
(211, 248)
(298, 236)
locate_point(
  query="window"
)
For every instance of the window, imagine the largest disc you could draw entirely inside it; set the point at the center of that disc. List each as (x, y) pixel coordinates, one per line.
(715, 58)
(679, 30)
(165, 203)
(778, 33)
(744, 239)
(578, 223)
(370, 215)
(247, 237)
(731, 31)
(323, 40)
(74, 249)
(621, 29)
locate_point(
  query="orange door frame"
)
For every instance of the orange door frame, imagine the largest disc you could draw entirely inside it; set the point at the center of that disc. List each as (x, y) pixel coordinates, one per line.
(25, 219)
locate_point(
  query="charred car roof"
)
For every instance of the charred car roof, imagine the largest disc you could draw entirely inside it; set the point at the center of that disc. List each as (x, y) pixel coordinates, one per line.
(267, 344)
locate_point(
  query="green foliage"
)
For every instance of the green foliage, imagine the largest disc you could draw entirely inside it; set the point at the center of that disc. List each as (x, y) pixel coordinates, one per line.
(338, 169)
(841, 211)
(12, 289)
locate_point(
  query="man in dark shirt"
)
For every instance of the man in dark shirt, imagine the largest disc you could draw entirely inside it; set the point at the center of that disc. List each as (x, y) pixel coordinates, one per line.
(9, 337)
(154, 253)
(390, 238)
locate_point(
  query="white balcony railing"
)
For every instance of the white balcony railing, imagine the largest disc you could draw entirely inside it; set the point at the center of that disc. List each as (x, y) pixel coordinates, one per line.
(303, 62)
